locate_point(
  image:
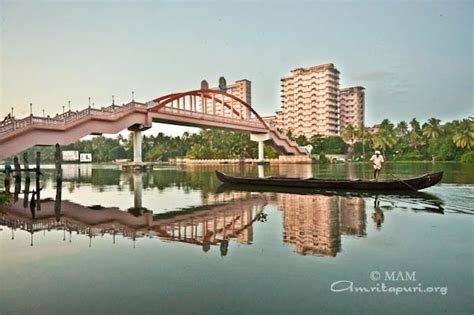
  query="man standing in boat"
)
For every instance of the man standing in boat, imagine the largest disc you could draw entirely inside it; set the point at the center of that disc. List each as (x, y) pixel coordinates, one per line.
(377, 162)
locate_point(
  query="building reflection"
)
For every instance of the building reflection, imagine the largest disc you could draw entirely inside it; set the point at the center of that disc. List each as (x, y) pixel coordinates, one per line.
(315, 223)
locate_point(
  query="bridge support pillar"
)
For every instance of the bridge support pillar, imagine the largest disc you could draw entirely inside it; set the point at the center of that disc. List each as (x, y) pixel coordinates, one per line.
(137, 180)
(260, 138)
(137, 137)
(261, 151)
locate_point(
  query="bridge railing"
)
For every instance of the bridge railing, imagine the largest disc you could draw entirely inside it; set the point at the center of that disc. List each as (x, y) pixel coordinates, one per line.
(207, 116)
(64, 118)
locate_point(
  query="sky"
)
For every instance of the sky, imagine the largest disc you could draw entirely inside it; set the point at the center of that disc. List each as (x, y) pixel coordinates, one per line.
(415, 58)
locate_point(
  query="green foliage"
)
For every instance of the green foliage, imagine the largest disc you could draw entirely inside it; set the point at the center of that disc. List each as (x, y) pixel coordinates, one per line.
(467, 157)
(4, 198)
(408, 141)
(328, 145)
(384, 138)
(323, 159)
(451, 141)
(463, 135)
(221, 144)
(402, 129)
(410, 156)
(301, 140)
(443, 149)
(432, 129)
(349, 134)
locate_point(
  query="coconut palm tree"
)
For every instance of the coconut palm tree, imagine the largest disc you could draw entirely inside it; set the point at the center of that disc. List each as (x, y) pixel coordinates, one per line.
(349, 135)
(415, 125)
(414, 139)
(464, 134)
(432, 129)
(386, 124)
(384, 139)
(363, 134)
(402, 129)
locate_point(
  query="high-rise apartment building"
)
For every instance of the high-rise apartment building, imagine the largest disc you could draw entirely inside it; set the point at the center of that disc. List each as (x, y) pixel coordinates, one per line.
(310, 101)
(241, 89)
(352, 107)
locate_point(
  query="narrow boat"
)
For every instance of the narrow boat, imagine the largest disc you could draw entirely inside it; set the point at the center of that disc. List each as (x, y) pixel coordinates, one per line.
(410, 184)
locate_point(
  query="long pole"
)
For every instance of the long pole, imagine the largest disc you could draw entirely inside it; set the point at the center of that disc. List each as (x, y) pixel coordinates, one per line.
(410, 186)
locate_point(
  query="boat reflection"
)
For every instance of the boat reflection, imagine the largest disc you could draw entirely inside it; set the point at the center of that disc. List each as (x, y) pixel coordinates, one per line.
(314, 223)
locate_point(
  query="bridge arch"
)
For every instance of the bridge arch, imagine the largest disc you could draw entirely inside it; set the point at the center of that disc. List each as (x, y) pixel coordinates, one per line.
(235, 114)
(208, 94)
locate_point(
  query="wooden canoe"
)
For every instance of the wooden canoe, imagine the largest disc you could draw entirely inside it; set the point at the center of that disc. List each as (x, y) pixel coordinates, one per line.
(410, 184)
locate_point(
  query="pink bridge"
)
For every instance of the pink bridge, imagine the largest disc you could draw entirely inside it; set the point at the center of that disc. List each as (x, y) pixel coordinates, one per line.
(199, 108)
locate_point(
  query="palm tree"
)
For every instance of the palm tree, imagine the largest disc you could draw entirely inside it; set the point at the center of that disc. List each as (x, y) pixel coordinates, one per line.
(349, 136)
(386, 124)
(402, 129)
(415, 125)
(384, 139)
(464, 134)
(432, 129)
(414, 139)
(363, 134)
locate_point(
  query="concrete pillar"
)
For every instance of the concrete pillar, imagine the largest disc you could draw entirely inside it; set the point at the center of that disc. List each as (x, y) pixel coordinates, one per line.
(137, 146)
(260, 138)
(261, 171)
(137, 179)
(261, 150)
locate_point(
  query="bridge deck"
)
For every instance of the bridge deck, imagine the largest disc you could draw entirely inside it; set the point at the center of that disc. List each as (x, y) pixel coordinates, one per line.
(17, 135)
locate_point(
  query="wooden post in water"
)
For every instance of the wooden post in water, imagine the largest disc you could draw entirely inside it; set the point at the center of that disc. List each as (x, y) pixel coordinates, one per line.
(38, 188)
(17, 166)
(59, 182)
(57, 162)
(17, 187)
(26, 193)
(6, 182)
(57, 201)
(27, 166)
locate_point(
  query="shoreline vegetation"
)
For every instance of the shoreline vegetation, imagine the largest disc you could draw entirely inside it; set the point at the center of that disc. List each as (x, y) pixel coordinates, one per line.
(402, 142)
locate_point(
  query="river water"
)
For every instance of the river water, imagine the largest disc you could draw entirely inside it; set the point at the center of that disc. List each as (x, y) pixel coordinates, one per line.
(174, 240)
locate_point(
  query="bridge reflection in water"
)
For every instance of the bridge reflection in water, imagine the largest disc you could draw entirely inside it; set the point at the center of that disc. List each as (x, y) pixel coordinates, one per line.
(314, 224)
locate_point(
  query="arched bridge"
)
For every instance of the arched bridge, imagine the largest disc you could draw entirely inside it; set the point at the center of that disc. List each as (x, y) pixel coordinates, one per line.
(198, 108)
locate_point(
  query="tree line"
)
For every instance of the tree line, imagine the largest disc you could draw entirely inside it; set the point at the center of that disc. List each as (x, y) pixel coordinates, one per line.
(412, 141)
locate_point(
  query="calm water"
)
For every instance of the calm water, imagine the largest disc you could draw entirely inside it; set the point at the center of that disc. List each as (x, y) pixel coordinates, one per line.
(175, 241)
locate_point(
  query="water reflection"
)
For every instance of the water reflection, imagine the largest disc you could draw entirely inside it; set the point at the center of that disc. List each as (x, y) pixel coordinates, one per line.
(313, 222)
(229, 216)
(378, 215)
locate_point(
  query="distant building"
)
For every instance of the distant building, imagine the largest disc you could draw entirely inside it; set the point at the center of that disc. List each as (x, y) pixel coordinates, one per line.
(242, 89)
(271, 120)
(352, 107)
(310, 101)
(373, 130)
